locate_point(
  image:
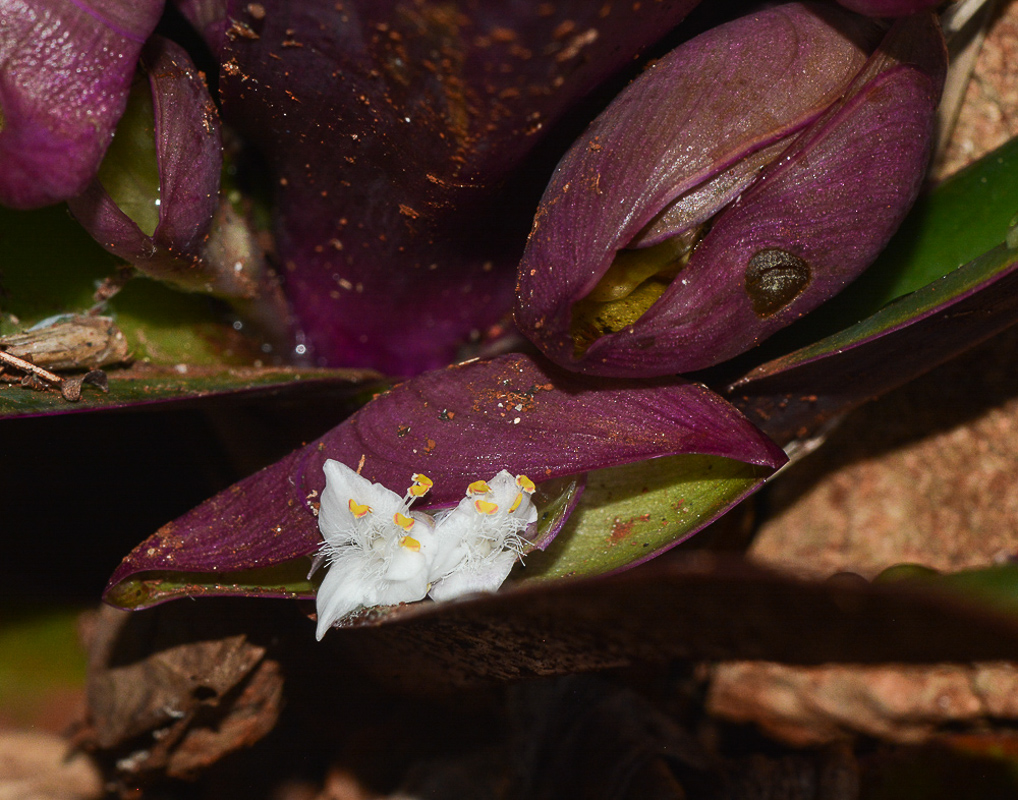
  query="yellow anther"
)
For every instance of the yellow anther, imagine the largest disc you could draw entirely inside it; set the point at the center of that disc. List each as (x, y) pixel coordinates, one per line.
(403, 521)
(422, 483)
(516, 502)
(484, 507)
(526, 484)
(357, 509)
(410, 543)
(478, 487)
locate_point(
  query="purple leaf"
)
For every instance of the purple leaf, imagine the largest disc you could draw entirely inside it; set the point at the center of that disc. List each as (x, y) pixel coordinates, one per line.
(455, 425)
(390, 129)
(800, 185)
(65, 71)
(515, 413)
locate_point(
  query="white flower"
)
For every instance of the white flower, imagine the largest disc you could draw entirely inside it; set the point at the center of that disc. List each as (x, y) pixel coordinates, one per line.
(481, 539)
(381, 553)
(378, 551)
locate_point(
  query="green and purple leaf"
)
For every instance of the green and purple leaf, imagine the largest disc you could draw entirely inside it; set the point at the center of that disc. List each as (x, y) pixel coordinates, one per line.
(146, 385)
(456, 425)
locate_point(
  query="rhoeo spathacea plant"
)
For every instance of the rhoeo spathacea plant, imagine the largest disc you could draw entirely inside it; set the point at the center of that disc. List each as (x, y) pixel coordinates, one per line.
(700, 182)
(360, 178)
(739, 182)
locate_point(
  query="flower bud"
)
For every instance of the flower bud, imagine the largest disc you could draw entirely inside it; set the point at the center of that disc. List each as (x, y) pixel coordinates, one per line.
(740, 182)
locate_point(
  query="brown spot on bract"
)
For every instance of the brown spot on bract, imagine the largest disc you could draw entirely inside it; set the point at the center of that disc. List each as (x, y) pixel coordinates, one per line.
(774, 278)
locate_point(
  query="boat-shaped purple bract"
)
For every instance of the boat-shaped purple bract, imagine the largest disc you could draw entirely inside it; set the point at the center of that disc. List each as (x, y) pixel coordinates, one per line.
(740, 182)
(455, 425)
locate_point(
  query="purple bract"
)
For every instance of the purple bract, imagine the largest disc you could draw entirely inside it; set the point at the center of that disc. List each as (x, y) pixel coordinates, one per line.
(740, 182)
(456, 425)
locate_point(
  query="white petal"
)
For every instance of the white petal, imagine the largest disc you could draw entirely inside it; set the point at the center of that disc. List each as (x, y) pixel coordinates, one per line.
(506, 490)
(503, 487)
(485, 576)
(451, 557)
(389, 593)
(343, 589)
(406, 565)
(342, 484)
(455, 536)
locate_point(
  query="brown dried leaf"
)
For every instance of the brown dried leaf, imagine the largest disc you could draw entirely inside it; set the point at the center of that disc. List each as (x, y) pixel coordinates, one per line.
(70, 388)
(176, 696)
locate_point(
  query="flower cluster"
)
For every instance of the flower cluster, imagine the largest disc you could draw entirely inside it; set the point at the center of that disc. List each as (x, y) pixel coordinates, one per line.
(380, 552)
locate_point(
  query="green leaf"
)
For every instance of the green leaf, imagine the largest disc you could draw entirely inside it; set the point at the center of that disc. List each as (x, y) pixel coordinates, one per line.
(145, 384)
(628, 514)
(995, 586)
(165, 326)
(965, 216)
(287, 580)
